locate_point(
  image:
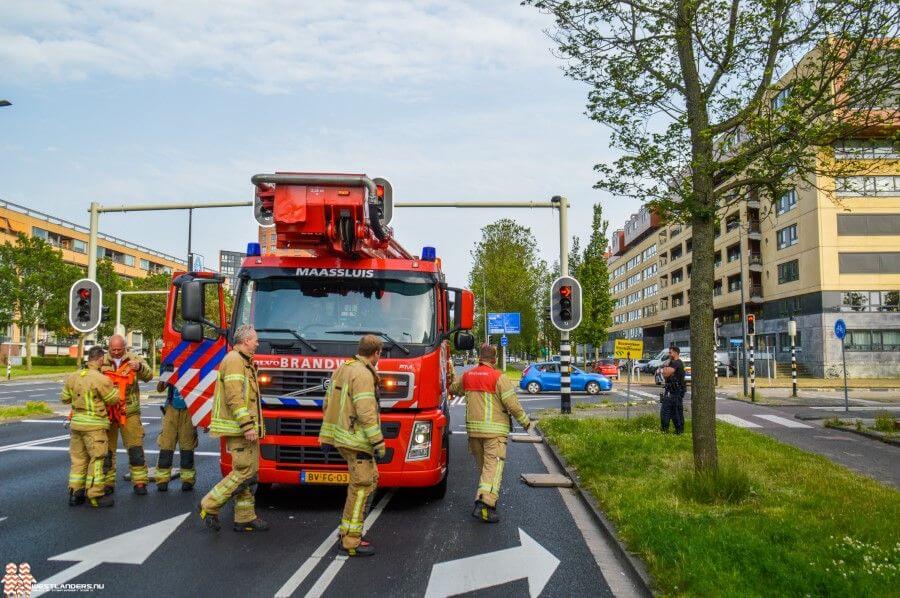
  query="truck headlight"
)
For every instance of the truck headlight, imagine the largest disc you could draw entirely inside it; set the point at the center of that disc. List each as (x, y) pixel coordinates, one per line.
(419, 442)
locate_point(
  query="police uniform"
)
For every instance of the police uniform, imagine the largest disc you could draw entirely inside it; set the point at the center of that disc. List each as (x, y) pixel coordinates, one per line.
(490, 400)
(352, 424)
(133, 431)
(236, 410)
(177, 428)
(88, 392)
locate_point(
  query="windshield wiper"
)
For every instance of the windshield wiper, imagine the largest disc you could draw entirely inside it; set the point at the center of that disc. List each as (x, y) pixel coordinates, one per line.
(296, 335)
(375, 332)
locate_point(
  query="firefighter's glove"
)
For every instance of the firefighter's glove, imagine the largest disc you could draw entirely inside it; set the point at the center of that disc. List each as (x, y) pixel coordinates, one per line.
(160, 386)
(380, 450)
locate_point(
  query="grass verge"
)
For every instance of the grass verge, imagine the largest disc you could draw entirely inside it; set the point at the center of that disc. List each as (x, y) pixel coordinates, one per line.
(18, 372)
(779, 521)
(27, 410)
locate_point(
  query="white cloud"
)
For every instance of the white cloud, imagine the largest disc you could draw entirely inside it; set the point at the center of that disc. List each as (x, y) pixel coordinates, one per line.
(269, 45)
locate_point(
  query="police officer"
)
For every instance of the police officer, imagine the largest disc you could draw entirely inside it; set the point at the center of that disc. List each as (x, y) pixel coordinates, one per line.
(177, 428)
(89, 392)
(132, 432)
(490, 401)
(352, 424)
(672, 405)
(236, 417)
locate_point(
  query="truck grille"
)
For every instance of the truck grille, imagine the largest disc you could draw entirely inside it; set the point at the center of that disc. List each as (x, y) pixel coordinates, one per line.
(284, 382)
(295, 426)
(309, 455)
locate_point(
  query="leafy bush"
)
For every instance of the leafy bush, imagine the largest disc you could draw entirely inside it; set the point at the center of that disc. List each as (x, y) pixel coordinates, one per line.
(885, 422)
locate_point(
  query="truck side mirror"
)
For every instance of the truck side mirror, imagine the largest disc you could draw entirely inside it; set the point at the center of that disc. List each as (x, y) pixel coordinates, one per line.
(192, 302)
(191, 332)
(464, 341)
(463, 309)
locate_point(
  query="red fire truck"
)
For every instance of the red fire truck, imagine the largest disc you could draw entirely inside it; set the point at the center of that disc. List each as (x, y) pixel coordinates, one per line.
(337, 273)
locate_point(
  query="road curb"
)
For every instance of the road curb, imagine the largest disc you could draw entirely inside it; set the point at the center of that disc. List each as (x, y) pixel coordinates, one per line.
(636, 569)
(869, 435)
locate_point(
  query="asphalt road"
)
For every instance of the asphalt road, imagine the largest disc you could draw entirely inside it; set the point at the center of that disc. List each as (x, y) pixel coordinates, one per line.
(177, 556)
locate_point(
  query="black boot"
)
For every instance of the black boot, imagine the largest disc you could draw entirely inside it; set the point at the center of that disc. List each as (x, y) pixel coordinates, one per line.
(257, 525)
(162, 486)
(76, 497)
(485, 513)
(187, 486)
(211, 521)
(364, 549)
(103, 501)
(140, 489)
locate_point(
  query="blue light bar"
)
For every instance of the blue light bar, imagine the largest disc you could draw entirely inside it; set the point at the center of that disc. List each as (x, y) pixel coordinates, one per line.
(429, 254)
(253, 250)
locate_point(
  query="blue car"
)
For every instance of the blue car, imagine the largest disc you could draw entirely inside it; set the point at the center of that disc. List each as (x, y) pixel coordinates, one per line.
(544, 376)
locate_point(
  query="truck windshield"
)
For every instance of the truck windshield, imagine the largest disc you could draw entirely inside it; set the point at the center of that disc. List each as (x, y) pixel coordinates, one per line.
(324, 308)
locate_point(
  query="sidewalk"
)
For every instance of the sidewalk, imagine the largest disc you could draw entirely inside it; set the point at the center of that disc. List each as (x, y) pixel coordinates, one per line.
(816, 383)
(808, 397)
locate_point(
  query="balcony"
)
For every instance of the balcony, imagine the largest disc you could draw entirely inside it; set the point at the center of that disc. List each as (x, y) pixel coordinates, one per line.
(732, 225)
(755, 261)
(663, 260)
(663, 283)
(753, 231)
(717, 291)
(756, 293)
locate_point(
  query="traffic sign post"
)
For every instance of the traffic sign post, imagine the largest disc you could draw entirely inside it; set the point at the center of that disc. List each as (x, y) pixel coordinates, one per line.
(624, 349)
(840, 331)
(503, 342)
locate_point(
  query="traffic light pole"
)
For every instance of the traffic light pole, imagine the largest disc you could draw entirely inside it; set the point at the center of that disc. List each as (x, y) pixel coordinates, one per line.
(557, 203)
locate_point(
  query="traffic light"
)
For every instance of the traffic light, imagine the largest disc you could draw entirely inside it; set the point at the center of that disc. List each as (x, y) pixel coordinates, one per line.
(565, 303)
(105, 314)
(751, 324)
(85, 305)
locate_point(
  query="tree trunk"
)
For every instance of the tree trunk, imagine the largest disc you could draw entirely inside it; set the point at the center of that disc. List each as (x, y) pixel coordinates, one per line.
(152, 354)
(29, 334)
(703, 392)
(80, 358)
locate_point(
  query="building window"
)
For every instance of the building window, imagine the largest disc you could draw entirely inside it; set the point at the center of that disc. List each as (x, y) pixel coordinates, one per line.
(718, 259)
(79, 246)
(870, 301)
(867, 185)
(649, 252)
(867, 341)
(789, 271)
(734, 283)
(619, 271)
(145, 264)
(784, 341)
(856, 149)
(780, 98)
(864, 225)
(649, 271)
(869, 263)
(651, 290)
(787, 236)
(734, 253)
(786, 202)
(128, 260)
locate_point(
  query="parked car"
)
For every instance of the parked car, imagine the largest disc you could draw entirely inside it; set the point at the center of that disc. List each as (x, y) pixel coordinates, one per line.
(545, 376)
(607, 367)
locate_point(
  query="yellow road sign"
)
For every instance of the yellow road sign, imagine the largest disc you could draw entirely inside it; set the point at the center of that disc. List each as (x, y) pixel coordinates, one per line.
(628, 349)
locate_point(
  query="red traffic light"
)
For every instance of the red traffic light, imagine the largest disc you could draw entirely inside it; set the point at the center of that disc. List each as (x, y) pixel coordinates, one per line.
(565, 291)
(84, 293)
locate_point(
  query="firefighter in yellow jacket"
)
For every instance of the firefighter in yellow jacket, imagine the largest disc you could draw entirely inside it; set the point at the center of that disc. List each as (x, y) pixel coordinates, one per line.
(352, 424)
(177, 428)
(132, 432)
(89, 392)
(490, 401)
(236, 417)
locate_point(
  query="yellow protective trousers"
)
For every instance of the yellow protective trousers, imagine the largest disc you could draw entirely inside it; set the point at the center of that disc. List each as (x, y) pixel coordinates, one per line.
(133, 438)
(87, 451)
(244, 468)
(177, 428)
(363, 483)
(490, 456)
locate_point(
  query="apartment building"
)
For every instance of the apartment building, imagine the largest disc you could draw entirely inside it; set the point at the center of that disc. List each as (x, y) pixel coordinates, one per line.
(229, 265)
(130, 260)
(817, 253)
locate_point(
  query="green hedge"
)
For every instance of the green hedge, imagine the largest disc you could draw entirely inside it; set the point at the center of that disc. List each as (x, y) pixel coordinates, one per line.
(52, 360)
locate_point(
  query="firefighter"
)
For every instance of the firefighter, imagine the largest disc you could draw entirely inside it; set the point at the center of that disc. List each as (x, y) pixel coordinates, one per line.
(132, 432)
(352, 424)
(89, 392)
(236, 417)
(490, 401)
(177, 427)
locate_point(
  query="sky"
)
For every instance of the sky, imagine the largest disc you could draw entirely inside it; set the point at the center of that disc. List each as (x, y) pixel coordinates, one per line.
(133, 102)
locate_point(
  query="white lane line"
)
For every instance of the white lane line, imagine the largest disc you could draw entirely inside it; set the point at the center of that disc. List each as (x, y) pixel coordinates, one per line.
(334, 568)
(294, 581)
(787, 423)
(2, 519)
(30, 443)
(736, 421)
(459, 432)
(644, 394)
(123, 451)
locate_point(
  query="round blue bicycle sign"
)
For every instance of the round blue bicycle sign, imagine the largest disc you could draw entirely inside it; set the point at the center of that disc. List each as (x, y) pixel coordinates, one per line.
(840, 329)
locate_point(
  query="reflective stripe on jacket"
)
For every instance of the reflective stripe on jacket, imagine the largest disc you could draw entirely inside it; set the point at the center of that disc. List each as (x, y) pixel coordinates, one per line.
(490, 400)
(89, 392)
(133, 392)
(236, 406)
(351, 419)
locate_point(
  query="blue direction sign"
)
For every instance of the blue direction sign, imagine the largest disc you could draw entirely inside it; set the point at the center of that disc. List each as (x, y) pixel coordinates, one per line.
(504, 341)
(505, 323)
(840, 329)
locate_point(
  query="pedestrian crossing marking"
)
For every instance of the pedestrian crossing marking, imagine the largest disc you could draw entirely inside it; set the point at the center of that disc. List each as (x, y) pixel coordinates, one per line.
(787, 423)
(736, 421)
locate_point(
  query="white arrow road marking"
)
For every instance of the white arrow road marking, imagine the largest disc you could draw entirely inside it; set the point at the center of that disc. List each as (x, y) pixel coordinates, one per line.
(3, 518)
(736, 421)
(787, 423)
(291, 585)
(19, 445)
(472, 573)
(130, 548)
